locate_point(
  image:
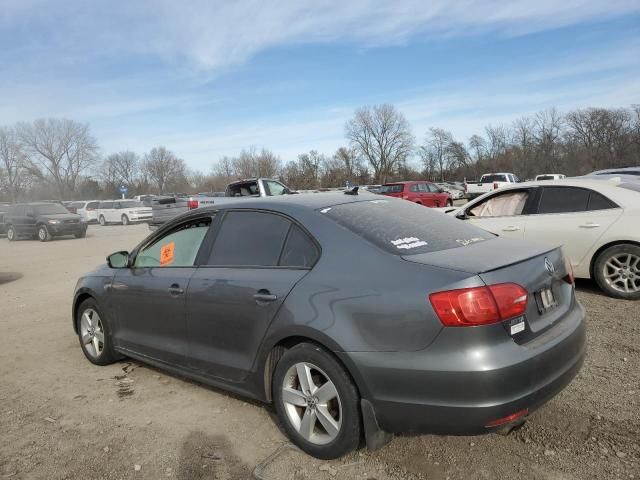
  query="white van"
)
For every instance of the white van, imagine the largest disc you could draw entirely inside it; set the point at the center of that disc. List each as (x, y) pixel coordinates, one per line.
(122, 211)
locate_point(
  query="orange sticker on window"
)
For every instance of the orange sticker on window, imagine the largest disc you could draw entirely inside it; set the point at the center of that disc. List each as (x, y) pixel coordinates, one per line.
(166, 254)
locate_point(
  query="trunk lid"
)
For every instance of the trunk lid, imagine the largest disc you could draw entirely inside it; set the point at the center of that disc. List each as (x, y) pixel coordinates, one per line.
(537, 268)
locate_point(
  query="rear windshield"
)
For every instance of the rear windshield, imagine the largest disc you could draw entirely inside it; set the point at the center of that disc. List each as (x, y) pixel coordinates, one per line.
(545, 177)
(620, 172)
(493, 178)
(630, 186)
(51, 209)
(397, 188)
(405, 228)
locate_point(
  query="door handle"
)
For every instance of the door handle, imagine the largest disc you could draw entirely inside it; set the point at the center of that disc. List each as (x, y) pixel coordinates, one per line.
(511, 228)
(176, 290)
(264, 296)
(590, 225)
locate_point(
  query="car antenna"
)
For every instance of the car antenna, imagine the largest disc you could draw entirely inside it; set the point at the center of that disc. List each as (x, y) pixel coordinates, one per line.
(353, 191)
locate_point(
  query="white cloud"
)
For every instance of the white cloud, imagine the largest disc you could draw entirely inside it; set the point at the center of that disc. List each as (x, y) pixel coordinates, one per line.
(209, 35)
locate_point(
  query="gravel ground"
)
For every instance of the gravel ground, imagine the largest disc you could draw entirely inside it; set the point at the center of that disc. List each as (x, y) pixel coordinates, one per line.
(61, 417)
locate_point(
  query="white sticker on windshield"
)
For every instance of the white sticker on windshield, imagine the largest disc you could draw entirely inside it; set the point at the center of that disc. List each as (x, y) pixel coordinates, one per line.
(325, 210)
(408, 243)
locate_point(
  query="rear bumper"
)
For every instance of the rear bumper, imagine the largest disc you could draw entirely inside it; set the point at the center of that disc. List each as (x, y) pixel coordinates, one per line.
(451, 389)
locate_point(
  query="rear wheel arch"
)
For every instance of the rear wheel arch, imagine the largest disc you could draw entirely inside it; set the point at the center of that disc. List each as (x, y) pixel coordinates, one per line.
(276, 352)
(602, 248)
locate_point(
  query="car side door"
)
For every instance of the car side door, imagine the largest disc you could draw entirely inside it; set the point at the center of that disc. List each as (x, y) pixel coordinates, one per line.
(437, 198)
(503, 212)
(28, 221)
(149, 297)
(256, 258)
(574, 217)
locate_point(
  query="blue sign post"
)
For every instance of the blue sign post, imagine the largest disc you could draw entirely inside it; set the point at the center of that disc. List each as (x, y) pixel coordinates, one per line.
(123, 190)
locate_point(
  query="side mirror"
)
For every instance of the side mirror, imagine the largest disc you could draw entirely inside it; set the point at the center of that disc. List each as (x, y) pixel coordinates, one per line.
(462, 215)
(286, 191)
(118, 260)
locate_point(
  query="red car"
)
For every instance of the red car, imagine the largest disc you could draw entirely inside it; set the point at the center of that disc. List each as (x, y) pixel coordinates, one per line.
(422, 192)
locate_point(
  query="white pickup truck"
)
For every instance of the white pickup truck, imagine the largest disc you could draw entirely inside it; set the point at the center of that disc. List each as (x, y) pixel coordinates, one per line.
(164, 208)
(489, 182)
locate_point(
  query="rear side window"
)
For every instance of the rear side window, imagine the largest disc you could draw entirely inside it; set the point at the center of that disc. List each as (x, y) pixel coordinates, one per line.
(405, 228)
(571, 199)
(563, 200)
(299, 250)
(106, 205)
(599, 202)
(93, 205)
(249, 239)
(398, 188)
(179, 248)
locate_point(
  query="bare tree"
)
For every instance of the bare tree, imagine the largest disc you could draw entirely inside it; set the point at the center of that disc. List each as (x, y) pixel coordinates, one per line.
(382, 136)
(164, 169)
(14, 177)
(58, 150)
(435, 152)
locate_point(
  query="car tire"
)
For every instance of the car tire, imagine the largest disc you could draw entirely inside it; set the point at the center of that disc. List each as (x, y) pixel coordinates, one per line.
(125, 220)
(331, 400)
(617, 271)
(12, 236)
(94, 334)
(81, 234)
(101, 220)
(43, 233)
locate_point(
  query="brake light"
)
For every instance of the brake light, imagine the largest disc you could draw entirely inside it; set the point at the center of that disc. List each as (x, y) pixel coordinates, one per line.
(507, 419)
(89, 209)
(192, 204)
(405, 197)
(569, 277)
(479, 305)
(495, 185)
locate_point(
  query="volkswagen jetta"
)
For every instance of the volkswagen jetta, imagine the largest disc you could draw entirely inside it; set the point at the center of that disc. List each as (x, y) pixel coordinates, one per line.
(356, 316)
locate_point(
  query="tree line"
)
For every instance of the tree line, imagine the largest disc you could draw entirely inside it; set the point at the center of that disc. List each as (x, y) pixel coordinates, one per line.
(60, 158)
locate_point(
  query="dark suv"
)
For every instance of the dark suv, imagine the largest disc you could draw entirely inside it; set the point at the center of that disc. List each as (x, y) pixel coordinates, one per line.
(42, 221)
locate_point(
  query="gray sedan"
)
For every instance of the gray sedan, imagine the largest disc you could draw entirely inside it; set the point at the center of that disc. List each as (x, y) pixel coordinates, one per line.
(355, 316)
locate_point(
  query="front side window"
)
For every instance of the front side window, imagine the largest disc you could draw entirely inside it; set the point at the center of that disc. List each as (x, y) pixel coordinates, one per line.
(274, 188)
(249, 239)
(563, 200)
(432, 188)
(179, 248)
(502, 205)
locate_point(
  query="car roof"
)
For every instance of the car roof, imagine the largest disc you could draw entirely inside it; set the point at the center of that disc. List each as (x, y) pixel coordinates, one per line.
(406, 182)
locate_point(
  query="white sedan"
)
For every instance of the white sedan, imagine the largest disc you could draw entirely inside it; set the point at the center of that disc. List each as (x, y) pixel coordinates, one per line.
(597, 222)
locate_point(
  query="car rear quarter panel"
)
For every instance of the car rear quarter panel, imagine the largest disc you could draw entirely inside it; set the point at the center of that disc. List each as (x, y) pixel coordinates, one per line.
(365, 299)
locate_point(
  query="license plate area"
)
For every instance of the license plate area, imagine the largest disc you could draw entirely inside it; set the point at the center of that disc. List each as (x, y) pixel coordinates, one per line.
(546, 300)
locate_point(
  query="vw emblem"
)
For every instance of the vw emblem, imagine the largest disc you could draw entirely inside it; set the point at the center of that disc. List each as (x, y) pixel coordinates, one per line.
(549, 266)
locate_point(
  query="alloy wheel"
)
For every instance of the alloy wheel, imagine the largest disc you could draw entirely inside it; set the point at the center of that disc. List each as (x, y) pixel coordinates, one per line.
(92, 332)
(42, 234)
(11, 234)
(312, 403)
(622, 272)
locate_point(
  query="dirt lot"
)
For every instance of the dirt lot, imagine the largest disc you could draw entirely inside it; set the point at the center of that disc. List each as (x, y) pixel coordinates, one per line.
(61, 417)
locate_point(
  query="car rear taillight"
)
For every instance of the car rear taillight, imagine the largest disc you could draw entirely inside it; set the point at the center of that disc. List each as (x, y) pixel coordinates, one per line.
(495, 185)
(192, 204)
(569, 277)
(479, 305)
(89, 209)
(405, 197)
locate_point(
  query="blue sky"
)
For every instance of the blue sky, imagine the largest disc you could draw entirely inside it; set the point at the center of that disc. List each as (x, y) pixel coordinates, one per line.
(207, 78)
